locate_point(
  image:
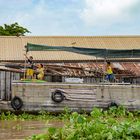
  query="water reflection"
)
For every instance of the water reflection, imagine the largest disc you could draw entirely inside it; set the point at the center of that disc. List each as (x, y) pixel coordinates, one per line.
(22, 129)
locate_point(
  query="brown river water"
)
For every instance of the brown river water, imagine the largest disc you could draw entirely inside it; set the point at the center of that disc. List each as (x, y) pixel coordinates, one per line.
(19, 130)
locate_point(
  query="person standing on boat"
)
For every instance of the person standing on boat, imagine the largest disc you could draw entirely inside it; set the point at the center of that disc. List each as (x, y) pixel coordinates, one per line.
(30, 70)
(40, 71)
(109, 72)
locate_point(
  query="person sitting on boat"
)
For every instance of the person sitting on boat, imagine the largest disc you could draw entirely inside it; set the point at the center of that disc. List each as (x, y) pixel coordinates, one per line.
(40, 71)
(109, 72)
(30, 70)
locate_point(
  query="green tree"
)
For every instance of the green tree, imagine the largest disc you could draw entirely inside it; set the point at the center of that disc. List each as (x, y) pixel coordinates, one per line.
(13, 30)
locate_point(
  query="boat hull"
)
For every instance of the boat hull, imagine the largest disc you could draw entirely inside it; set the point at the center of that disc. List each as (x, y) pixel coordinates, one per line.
(55, 97)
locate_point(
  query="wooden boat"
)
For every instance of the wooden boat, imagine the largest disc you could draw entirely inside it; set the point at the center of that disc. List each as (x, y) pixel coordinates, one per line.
(54, 97)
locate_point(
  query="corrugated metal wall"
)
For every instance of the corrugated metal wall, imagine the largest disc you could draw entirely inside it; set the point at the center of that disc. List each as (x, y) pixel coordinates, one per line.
(5, 84)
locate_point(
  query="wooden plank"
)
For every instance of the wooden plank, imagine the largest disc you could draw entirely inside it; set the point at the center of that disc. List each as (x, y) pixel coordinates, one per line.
(77, 91)
(16, 76)
(80, 99)
(8, 85)
(70, 104)
(0, 85)
(56, 72)
(13, 75)
(3, 86)
(3, 68)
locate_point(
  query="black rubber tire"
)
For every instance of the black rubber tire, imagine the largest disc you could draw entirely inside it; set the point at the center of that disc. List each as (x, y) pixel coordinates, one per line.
(56, 94)
(113, 104)
(16, 103)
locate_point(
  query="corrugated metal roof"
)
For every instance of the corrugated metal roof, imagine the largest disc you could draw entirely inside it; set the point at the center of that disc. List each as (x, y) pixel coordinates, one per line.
(88, 69)
(12, 48)
(126, 69)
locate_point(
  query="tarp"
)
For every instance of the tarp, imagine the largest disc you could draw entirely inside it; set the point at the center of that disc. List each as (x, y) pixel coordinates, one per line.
(105, 53)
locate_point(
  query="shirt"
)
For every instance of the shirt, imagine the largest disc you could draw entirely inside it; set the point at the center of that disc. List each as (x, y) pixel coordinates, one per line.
(40, 70)
(31, 64)
(109, 70)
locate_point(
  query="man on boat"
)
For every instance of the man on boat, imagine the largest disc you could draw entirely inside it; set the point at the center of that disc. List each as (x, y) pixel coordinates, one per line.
(109, 72)
(30, 70)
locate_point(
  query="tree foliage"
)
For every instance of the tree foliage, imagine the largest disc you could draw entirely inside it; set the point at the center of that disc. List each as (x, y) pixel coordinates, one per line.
(13, 30)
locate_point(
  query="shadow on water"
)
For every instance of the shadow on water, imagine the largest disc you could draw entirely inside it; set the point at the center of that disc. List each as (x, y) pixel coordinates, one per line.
(22, 129)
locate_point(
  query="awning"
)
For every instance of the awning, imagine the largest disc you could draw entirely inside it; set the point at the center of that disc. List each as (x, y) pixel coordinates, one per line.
(104, 53)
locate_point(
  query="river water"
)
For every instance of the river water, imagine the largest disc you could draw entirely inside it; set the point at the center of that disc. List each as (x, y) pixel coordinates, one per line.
(19, 130)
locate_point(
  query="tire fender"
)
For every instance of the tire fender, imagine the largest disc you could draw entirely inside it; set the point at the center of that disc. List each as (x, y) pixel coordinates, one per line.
(16, 103)
(57, 96)
(113, 104)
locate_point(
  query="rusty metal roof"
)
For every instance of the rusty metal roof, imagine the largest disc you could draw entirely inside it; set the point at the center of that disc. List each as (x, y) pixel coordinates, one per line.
(88, 69)
(127, 69)
(12, 47)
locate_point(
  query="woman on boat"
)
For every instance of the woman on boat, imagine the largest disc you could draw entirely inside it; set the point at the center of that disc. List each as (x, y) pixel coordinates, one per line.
(40, 71)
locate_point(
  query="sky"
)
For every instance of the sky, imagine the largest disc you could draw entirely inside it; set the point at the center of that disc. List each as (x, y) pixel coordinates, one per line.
(73, 17)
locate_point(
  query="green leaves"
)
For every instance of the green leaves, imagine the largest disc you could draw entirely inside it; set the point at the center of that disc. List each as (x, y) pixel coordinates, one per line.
(52, 130)
(38, 137)
(113, 124)
(96, 113)
(13, 30)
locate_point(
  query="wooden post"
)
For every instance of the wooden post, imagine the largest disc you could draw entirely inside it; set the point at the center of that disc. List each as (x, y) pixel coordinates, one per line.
(8, 85)
(0, 85)
(3, 85)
